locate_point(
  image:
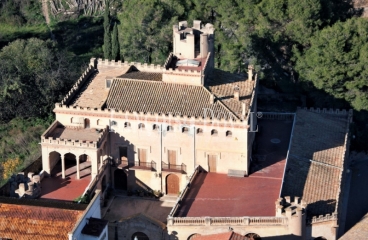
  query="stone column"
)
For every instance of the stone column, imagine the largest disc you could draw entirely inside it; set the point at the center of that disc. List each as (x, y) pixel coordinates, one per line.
(62, 166)
(78, 173)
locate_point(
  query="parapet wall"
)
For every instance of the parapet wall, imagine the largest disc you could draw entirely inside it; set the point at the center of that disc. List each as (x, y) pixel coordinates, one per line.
(85, 76)
(100, 63)
(217, 119)
(328, 111)
(224, 221)
(72, 142)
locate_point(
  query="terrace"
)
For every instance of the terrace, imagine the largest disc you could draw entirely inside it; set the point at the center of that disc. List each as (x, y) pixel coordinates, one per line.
(218, 195)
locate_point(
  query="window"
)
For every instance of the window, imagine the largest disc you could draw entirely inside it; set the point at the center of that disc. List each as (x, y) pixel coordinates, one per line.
(229, 134)
(199, 131)
(71, 120)
(87, 123)
(185, 130)
(155, 127)
(99, 122)
(108, 83)
(141, 126)
(214, 132)
(127, 124)
(170, 128)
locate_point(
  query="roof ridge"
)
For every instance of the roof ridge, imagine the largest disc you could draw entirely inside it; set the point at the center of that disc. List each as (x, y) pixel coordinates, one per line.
(221, 103)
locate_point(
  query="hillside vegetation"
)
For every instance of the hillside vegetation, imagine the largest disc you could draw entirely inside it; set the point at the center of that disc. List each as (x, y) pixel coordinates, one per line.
(312, 48)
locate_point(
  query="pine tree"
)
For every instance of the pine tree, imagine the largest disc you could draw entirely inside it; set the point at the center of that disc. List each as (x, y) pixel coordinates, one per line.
(107, 34)
(115, 44)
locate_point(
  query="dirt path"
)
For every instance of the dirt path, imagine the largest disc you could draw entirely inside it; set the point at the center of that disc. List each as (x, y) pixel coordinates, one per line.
(45, 11)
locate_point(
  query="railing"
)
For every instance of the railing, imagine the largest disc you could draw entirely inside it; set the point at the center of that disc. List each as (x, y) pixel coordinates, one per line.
(172, 167)
(92, 185)
(145, 165)
(225, 221)
(182, 194)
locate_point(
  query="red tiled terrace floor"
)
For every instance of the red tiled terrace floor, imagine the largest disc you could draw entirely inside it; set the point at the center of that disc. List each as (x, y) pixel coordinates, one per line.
(70, 188)
(217, 195)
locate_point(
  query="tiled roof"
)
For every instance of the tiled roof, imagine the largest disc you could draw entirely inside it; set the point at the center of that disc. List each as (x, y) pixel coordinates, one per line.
(358, 231)
(153, 95)
(316, 160)
(153, 76)
(222, 84)
(94, 93)
(31, 222)
(220, 236)
(161, 97)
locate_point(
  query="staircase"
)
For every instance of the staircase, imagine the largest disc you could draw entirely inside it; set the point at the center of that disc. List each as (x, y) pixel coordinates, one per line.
(168, 200)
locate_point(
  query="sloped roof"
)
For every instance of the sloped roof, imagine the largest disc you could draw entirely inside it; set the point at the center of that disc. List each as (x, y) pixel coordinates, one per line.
(153, 76)
(94, 93)
(33, 222)
(161, 97)
(358, 231)
(316, 160)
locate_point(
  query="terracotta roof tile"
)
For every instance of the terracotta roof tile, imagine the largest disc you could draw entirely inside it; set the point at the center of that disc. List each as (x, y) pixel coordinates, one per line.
(161, 97)
(153, 76)
(31, 222)
(358, 231)
(93, 94)
(316, 159)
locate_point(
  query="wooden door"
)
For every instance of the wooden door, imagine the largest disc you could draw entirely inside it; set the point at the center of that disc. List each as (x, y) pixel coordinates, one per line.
(142, 155)
(212, 159)
(172, 184)
(172, 157)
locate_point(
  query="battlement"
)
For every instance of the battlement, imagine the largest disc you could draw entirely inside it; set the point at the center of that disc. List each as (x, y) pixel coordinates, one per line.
(288, 208)
(100, 63)
(85, 76)
(213, 119)
(323, 218)
(47, 137)
(328, 111)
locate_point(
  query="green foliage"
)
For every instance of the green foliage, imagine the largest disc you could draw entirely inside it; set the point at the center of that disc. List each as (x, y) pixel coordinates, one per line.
(115, 44)
(336, 62)
(107, 47)
(84, 199)
(33, 76)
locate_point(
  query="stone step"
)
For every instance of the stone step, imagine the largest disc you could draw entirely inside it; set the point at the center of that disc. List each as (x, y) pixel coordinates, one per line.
(169, 198)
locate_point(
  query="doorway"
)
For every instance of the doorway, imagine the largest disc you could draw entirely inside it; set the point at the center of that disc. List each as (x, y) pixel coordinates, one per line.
(172, 184)
(212, 163)
(120, 179)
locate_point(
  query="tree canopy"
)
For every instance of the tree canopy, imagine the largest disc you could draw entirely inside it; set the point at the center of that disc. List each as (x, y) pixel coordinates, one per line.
(336, 61)
(33, 76)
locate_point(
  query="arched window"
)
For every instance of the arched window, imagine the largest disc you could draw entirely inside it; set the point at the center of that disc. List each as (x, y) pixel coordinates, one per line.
(155, 127)
(199, 131)
(185, 130)
(98, 122)
(170, 128)
(87, 123)
(229, 134)
(141, 126)
(71, 120)
(127, 124)
(214, 132)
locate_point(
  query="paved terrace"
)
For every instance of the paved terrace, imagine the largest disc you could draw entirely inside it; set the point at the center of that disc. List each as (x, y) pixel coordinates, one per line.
(217, 195)
(70, 188)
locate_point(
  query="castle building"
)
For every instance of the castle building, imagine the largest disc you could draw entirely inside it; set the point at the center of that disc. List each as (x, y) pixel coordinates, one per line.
(188, 130)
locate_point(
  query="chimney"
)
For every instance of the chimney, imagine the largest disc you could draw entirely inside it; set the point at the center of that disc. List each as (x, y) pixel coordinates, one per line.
(250, 72)
(212, 99)
(236, 93)
(243, 108)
